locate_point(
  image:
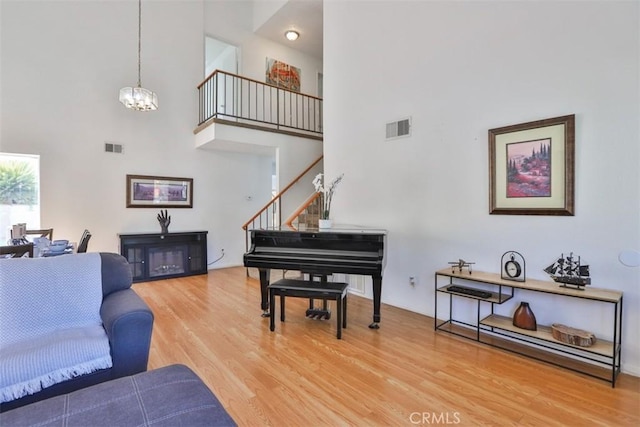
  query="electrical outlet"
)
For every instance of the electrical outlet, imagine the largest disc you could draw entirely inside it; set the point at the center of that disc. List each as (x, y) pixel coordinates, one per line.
(413, 280)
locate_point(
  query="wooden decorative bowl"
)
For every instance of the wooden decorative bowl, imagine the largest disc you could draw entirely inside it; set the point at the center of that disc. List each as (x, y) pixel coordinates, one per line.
(573, 336)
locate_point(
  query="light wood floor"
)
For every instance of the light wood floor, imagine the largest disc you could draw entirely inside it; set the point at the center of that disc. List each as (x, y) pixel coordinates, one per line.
(402, 374)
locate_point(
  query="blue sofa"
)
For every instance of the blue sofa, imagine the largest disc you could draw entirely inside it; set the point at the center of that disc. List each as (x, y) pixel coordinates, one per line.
(125, 317)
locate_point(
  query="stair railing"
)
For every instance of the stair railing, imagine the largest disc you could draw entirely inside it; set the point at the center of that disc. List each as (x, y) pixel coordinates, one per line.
(305, 208)
(270, 215)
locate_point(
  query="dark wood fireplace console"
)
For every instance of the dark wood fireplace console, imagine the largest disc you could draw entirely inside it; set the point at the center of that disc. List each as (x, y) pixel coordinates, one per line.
(155, 256)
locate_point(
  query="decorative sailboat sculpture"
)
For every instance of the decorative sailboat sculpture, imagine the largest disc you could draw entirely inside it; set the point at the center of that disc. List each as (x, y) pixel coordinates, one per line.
(568, 271)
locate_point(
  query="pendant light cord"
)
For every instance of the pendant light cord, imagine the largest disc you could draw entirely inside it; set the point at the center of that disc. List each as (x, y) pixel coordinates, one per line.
(139, 37)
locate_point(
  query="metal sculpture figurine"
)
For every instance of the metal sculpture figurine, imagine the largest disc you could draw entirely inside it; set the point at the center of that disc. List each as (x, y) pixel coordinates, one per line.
(164, 219)
(460, 264)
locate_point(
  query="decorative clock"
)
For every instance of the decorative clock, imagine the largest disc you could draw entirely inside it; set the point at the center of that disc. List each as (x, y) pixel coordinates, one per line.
(513, 266)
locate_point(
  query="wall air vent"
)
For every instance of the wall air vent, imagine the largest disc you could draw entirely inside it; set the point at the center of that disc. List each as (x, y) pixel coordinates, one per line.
(399, 129)
(111, 147)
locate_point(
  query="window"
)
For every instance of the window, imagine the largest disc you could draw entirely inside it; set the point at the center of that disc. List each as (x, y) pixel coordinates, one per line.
(19, 192)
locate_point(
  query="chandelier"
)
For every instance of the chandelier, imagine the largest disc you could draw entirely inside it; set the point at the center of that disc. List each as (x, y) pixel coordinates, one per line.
(138, 98)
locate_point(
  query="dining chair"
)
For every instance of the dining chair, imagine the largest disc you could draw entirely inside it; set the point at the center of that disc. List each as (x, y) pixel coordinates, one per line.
(84, 242)
(45, 232)
(16, 251)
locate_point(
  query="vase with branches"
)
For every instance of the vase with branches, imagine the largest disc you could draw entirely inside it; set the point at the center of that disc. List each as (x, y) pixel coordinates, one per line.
(326, 193)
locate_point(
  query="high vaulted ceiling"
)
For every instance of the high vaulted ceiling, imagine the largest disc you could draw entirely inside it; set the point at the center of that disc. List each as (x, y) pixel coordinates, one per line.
(303, 16)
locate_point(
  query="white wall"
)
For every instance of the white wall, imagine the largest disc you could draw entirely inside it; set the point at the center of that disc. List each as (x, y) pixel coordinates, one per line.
(460, 69)
(264, 9)
(219, 56)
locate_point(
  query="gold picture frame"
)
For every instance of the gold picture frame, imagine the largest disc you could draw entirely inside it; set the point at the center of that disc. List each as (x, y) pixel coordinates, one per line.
(531, 168)
(145, 191)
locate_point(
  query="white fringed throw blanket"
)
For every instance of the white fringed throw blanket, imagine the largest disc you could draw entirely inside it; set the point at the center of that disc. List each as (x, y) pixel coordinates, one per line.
(50, 325)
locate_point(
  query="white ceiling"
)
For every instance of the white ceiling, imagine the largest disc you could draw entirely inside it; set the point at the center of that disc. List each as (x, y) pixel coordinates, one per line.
(303, 16)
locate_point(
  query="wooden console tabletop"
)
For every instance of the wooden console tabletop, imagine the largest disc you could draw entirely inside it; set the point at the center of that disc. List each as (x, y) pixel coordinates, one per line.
(597, 294)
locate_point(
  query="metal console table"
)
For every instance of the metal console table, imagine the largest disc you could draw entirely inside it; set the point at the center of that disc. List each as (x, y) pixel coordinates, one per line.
(603, 354)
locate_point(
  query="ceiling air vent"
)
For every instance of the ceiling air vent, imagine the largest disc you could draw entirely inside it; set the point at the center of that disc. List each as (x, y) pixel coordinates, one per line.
(111, 147)
(399, 129)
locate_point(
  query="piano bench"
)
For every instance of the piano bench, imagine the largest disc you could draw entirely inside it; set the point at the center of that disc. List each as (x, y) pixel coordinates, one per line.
(309, 289)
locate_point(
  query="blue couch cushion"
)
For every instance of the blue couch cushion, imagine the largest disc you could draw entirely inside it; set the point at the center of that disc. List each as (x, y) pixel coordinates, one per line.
(116, 273)
(169, 396)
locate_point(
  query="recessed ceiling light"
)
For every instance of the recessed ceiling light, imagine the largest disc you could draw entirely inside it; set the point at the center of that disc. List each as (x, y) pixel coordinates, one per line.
(292, 35)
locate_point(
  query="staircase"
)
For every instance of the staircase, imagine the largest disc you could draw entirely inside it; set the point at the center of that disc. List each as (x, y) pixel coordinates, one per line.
(271, 216)
(307, 215)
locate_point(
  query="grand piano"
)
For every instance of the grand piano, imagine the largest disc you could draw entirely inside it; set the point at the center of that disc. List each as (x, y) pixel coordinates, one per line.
(341, 249)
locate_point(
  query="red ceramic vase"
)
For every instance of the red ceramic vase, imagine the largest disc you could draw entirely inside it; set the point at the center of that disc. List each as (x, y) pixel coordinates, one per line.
(524, 318)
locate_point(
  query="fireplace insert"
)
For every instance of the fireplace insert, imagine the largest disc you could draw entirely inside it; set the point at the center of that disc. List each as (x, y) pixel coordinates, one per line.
(161, 256)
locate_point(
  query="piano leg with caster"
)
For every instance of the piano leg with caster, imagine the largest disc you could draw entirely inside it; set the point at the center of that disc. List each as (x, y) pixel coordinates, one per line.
(272, 309)
(377, 291)
(264, 292)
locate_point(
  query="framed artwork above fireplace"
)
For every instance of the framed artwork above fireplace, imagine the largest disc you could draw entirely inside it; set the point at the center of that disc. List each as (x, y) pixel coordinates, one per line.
(145, 191)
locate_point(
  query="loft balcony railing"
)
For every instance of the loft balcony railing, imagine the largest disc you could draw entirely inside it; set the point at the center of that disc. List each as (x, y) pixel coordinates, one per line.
(238, 99)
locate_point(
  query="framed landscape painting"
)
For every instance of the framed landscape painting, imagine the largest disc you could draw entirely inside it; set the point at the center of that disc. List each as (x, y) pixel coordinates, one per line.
(145, 191)
(531, 168)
